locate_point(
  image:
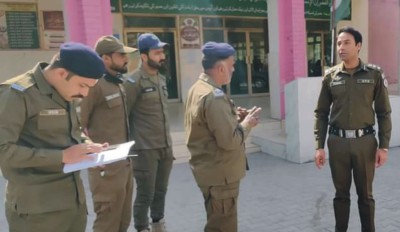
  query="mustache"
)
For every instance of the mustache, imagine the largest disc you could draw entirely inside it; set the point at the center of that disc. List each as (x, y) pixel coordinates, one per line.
(78, 96)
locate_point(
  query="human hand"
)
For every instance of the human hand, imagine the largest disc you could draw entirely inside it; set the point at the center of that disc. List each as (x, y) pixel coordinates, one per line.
(242, 113)
(253, 116)
(79, 152)
(381, 157)
(319, 158)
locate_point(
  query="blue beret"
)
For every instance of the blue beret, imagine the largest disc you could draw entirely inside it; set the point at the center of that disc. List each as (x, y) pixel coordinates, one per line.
(81, 60)
(217, 50)
(148, 41)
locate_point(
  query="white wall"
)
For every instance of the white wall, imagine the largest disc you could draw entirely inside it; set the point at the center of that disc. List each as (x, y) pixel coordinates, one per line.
(190, 69)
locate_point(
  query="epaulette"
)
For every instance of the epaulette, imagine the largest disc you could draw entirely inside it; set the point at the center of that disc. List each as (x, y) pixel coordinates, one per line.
(218, 93)
(329, 71)
(374, 67)
(21, 83)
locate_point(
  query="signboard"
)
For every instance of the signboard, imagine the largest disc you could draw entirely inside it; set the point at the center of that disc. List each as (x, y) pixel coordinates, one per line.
(18, 26)
(317, 9)
(53, 24)
(197, 7)
(189, 32)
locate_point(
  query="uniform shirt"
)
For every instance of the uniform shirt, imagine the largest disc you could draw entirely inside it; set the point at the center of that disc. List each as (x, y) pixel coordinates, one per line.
(103, 111)
(214, 137)
(36, 124)
(355, 99)
(147, 103)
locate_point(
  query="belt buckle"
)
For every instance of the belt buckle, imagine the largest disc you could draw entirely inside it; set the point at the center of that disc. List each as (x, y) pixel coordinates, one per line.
(351, 134)
(360, 133)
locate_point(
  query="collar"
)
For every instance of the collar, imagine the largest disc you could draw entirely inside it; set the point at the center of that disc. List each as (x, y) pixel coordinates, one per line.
(361, 66)
(114, 79)
(145, 74)
(205, 77)
(43, 85)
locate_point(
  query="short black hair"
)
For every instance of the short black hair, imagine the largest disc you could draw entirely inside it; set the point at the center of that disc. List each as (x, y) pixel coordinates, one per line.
(356, 34)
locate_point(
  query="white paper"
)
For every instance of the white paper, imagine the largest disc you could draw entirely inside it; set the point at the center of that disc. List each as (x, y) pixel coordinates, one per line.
(112, 154)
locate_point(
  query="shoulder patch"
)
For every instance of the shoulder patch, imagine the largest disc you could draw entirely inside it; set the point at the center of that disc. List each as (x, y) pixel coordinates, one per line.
(218, 93)
(21, 83)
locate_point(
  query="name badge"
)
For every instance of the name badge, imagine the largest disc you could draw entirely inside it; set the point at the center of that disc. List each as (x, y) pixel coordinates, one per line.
(335, 83)
(52, 112)
(112, 96)
(365, 81)
(148, 89)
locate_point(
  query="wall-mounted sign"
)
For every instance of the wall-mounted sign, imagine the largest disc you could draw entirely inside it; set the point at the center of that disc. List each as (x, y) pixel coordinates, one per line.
(189, 32)
(18, 26)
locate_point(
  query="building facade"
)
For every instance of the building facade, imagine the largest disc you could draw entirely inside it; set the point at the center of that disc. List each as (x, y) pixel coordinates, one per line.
(276, 41)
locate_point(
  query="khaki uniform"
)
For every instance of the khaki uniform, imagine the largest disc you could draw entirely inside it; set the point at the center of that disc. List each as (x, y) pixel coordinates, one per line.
(36, 124)
(104, 115)
(355, 99)
(216, 141)
(147, 103)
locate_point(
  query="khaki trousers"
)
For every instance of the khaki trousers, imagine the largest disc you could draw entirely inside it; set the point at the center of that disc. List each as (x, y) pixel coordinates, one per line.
(112, 196)
(70, 220)
(221, 206)
(151, 169)
(353, 158)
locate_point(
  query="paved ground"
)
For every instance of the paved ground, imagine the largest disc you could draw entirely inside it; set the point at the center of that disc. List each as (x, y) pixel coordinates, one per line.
(276, 196)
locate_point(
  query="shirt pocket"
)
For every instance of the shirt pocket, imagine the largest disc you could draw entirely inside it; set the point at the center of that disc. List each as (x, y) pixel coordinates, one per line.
(53, 122)
(114, 102)
(366, 87)
(150, 96)
(338, 88)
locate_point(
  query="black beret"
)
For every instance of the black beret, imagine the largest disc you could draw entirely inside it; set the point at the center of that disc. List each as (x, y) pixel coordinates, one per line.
(217, 50)
(81, 60)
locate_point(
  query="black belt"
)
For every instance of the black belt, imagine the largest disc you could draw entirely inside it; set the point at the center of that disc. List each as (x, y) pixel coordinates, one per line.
(351, 133)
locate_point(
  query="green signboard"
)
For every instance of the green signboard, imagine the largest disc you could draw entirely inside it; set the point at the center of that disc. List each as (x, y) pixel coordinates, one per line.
(19, 24)
(317, 9)
(197, 7)
(314, 9)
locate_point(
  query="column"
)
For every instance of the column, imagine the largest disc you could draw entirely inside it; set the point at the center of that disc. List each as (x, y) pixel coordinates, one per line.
(87, 20)
(287, 57)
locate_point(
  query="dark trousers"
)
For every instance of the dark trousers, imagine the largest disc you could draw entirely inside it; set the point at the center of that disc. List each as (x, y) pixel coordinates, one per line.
(69, 220)
(355, 157)
(221, 206)
(112, 196)
(151, 169)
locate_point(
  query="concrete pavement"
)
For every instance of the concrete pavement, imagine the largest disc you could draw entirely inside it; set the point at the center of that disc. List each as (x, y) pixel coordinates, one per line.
(276, 196)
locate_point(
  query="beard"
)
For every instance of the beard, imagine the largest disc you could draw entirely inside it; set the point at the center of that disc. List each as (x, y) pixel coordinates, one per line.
(119, 69)
(160, 66)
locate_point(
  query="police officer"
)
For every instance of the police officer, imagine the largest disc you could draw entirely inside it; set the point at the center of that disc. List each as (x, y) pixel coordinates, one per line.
(39, 133)
(147, 95)
(352, 94)
(104, 116)
(215, 137)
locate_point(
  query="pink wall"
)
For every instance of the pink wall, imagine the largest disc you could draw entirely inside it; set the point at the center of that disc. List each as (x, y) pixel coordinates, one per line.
(292, 44)
(87, 20)
(384, 36)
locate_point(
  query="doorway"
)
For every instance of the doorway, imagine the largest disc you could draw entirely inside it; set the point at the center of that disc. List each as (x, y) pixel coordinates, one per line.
(318, 53)
(251, 67)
